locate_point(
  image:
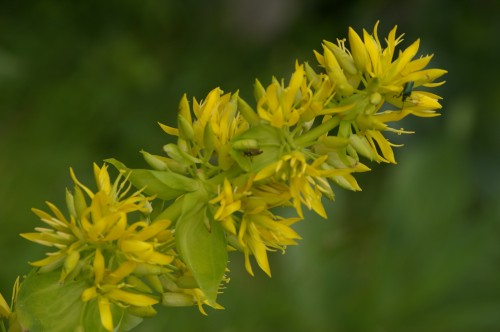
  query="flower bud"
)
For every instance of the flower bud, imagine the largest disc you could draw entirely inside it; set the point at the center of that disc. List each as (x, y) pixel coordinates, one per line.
(154, 281)
(361, 145)
(187, 282)
(358, 50)
(137, 283)
(186, 130)
(244, 144)
(70, 203)
(80, 202)
(70, 263)
(336, 74)
(177, 300)
(184, 109)
(344, 59)
(147, 311)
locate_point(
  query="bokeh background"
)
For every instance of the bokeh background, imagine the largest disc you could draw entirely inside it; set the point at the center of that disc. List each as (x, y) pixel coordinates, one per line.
(417, 250)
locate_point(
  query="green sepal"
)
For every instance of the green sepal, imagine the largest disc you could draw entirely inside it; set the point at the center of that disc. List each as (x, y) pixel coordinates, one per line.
(203, 250)
(45, 304)
(165, 185)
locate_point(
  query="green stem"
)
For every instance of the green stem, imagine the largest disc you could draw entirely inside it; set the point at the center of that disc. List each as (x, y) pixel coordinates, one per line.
(312, 135)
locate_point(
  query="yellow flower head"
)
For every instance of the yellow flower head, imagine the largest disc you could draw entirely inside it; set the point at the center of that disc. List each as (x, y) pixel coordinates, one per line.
(367, 79)
(216, 120)
(283, 106)
(104, 223)
(107, 289)
(262, 232)
(306, 181)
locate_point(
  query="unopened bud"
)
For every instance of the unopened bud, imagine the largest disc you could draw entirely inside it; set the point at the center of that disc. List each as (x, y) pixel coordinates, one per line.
(177, 300)
(147, 311)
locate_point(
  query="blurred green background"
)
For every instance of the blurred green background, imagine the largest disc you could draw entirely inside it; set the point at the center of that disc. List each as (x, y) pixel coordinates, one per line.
(417, 250)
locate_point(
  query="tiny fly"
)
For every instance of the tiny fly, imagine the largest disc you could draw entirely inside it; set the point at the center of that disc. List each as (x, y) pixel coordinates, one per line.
(252, 152)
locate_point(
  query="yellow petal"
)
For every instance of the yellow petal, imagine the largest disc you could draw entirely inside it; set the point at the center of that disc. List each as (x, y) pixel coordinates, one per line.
(105, 312)
(358, 50)
(169, 130)
(56, 258)
(259, 249)
(152, 230)
(121, 272)
(139, 300)
(98, 266)
(4, 308)
(89, 293)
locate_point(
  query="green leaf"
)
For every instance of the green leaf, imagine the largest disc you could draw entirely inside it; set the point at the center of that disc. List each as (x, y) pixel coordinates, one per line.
(165, 185)
(202, 249)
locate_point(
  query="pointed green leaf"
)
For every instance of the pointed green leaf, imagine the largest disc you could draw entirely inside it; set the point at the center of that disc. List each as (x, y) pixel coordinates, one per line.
(203, 250)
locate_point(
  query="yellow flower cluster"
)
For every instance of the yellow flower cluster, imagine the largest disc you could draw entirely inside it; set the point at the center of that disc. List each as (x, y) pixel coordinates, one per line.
(125, 260)
(315, 128)
(231, 167)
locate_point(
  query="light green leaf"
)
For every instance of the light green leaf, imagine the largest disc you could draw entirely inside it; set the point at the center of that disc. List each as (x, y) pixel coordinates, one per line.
(202, 249)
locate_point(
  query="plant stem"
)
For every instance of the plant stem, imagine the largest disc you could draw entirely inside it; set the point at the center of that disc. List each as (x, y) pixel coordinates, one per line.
(312, 135)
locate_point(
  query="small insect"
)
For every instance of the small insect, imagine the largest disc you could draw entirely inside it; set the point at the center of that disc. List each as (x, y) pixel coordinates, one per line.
(407, 90)
(252, 152)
